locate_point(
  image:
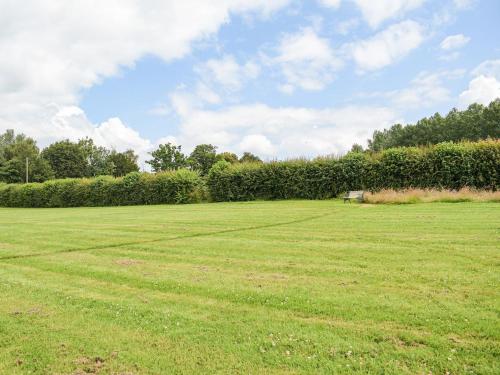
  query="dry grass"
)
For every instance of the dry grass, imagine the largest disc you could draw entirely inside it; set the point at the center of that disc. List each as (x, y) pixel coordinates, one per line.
(432, 195)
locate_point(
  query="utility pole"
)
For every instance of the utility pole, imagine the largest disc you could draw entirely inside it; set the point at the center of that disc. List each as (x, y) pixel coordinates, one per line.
(27, 166)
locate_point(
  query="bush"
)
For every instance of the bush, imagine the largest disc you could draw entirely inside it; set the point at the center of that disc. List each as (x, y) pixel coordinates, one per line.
(398, 168)
(444, 166)
(180, 186)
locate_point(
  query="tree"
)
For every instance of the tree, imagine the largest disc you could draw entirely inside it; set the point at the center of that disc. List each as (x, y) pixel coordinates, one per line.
(248, 157)
(202, 158)
(167, 157)
(357, 148)
(124, 162)
(229, 157)
(475, 123)
(67, 159)
(11, 171)
(14, 150)
(6, 139)
(98, 162)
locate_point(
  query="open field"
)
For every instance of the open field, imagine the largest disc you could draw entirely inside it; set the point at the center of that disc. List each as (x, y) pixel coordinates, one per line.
(260, 287)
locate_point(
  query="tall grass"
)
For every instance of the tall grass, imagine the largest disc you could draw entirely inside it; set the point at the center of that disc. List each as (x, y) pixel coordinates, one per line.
(432, 195)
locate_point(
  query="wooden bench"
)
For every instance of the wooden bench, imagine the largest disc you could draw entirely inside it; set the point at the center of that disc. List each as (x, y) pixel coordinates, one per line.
(358, 195)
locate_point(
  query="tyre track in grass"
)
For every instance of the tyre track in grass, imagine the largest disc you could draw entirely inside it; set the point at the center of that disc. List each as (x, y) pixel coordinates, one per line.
(165, 239)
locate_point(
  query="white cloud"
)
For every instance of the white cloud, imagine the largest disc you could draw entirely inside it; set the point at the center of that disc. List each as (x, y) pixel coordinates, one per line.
(330, 3)
(377, 11)
(387, 46)
(454, 42)
(226, 72)
(306, 60)
(488, 68)
(345, 27)
(258, 144)
(425, 90)
(205, 93)
(485, 86)
(285, 131)
(71, 122)
(481, 90)
(52, 49)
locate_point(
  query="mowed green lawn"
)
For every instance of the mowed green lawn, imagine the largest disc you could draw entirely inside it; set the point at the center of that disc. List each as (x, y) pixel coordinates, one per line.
(251, 288)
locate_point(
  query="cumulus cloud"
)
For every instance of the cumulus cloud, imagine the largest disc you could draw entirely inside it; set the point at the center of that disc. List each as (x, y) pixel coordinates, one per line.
(454, 42)
(488, 68)
(425, 90)
(70, 122)
(376, 12)
(284, 131)
(307, 61)
(345, 27)
(206, 94)
(52, 49)
(485, 86)
(481, 90)
(227, 73)
(387, 46)
(258, 144)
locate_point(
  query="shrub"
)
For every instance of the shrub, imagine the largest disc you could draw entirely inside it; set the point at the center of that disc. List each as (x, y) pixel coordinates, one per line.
(398, 168)
(182, 186)
(444, 166)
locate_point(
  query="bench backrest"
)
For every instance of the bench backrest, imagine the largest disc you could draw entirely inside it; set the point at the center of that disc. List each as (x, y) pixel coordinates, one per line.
(356, 194)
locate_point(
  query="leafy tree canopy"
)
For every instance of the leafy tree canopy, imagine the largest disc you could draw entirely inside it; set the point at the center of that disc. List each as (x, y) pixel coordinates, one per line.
(123, 162)
(67, 159)
(14, 149)
(475, 123)
(167, 157)
(248, 157)
(229, 157)
(97, 157)
(203, 157)
(356, 148)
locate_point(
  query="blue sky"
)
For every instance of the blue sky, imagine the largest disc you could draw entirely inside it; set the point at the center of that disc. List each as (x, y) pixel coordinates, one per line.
(279, 78)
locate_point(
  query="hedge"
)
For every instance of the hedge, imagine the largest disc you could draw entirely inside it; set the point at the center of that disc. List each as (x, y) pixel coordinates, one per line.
(444, 166)
(182, 186)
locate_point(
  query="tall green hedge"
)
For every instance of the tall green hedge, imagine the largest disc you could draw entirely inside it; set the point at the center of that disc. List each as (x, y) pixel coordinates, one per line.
(182, 186)
(446, 165)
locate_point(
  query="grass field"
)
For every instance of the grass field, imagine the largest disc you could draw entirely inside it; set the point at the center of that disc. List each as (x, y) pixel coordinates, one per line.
(260, 287)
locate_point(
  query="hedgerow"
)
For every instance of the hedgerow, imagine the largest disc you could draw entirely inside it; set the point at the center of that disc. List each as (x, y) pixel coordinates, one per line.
(444, 166)
(182, 186)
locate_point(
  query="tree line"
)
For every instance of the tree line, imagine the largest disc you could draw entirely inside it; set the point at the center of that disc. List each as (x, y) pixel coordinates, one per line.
(170, 157)
(475, 123)
(66, 159)
(444, 166)
(63, 159)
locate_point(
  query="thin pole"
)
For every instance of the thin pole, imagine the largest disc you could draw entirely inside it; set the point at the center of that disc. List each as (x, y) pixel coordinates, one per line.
(27, 166)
